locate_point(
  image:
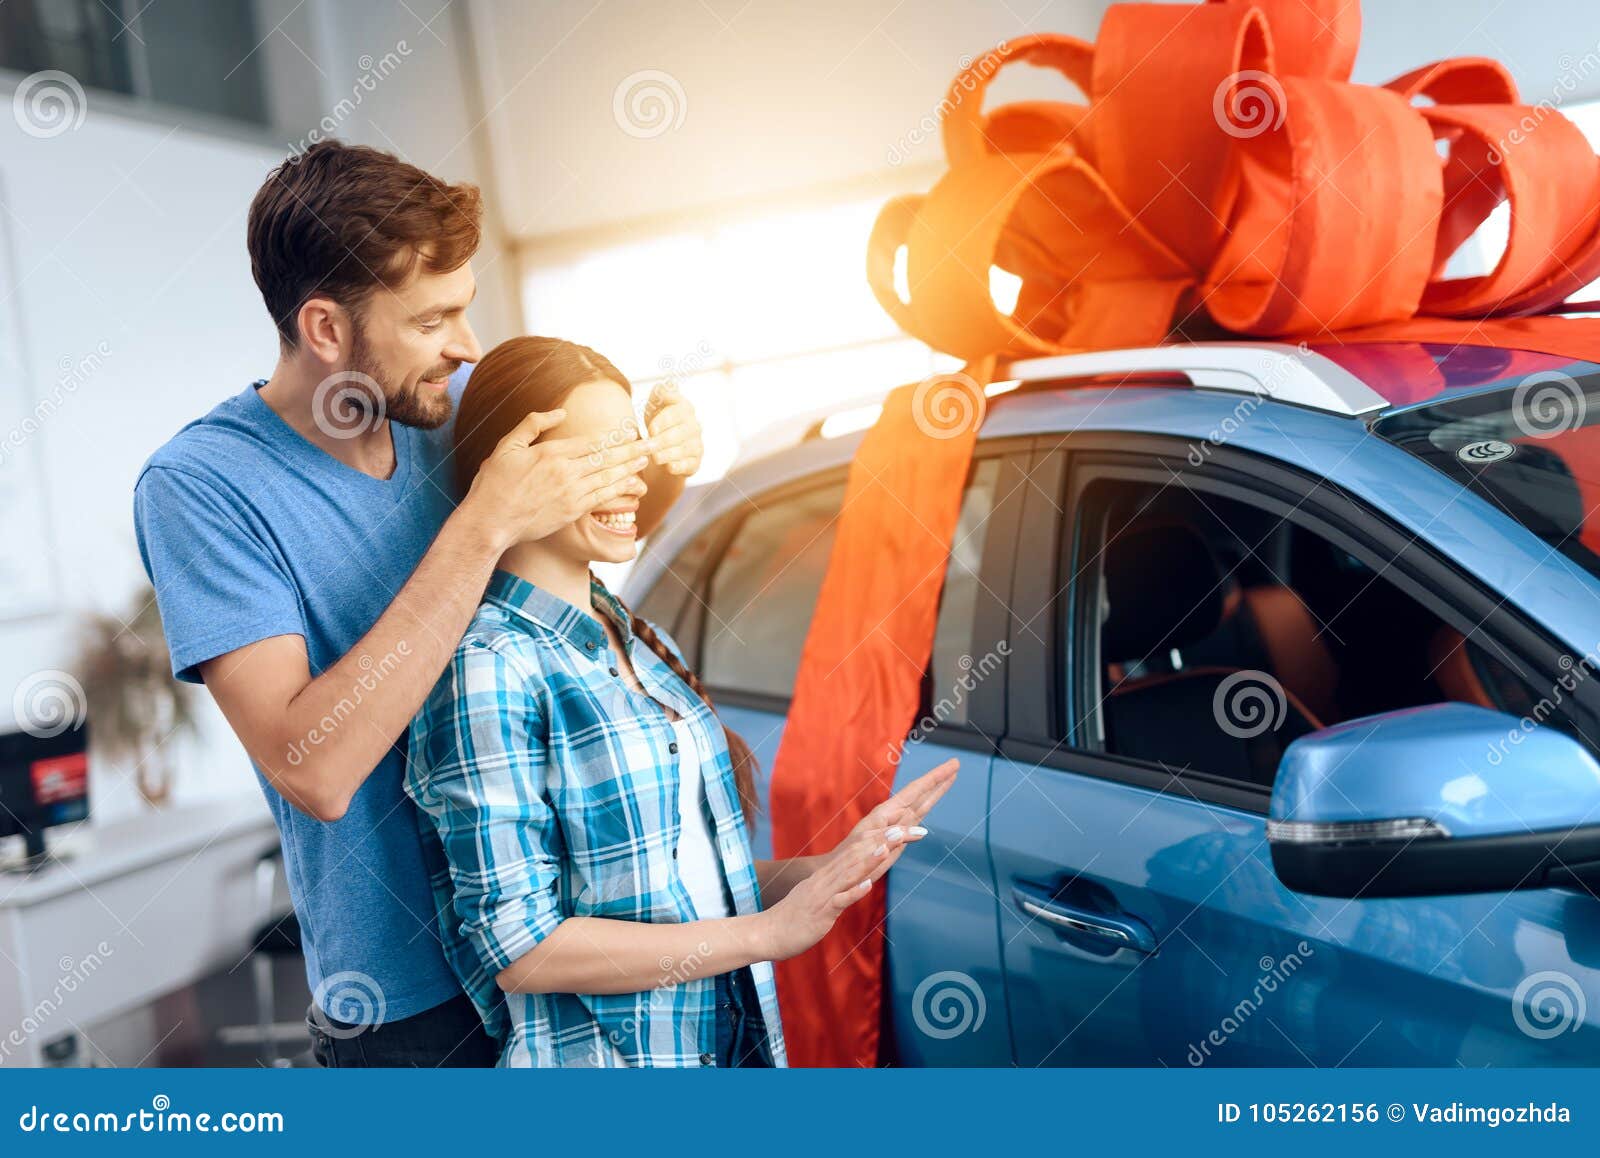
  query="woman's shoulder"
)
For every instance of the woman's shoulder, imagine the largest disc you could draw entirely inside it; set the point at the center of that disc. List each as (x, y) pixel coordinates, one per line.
(493, 642)
(490, 629)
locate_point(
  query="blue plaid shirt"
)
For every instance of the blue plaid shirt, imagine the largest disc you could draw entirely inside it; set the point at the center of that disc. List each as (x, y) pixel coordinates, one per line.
(553, 787)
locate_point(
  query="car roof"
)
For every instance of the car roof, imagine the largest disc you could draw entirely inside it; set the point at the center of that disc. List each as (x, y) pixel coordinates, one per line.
(1319, 442)
(1410, 374)
(1348, 380)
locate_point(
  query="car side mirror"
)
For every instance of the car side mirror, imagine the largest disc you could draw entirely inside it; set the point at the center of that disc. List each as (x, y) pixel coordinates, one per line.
(1447, 798)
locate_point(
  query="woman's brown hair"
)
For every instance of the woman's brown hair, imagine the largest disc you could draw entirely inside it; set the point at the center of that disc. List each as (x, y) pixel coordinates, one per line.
(524, 375)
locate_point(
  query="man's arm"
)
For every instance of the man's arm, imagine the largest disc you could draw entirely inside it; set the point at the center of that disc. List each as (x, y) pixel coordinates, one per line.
(282, 715)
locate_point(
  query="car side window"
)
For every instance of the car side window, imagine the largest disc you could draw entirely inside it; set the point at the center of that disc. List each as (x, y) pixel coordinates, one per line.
(676, 589)
(959, 659)
(1222, 632)
(764, 591)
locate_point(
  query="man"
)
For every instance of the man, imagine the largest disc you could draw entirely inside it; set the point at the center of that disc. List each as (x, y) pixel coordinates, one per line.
(315, 572)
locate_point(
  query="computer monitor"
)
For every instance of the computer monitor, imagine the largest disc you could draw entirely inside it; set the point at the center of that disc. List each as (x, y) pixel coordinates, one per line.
(44, 782)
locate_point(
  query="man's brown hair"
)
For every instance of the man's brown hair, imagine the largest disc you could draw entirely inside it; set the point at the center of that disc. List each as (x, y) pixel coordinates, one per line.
(341, 221)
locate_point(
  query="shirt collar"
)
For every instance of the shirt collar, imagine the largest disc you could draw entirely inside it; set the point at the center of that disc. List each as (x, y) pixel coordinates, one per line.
(577, 627)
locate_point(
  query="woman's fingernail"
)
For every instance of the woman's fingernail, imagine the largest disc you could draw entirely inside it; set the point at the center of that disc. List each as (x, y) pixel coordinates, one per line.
(895, 832)
(867, 884)
(880, 850)
(918, 830)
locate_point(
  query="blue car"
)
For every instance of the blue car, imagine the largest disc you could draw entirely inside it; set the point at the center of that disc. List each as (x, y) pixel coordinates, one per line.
(1270, 669)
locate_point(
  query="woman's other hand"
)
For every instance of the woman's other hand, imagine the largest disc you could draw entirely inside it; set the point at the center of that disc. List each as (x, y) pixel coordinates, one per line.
(845, 875)
(897, 822)
(806, 914)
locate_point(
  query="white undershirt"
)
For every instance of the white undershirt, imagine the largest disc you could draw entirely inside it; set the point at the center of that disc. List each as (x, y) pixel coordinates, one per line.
(698, 863)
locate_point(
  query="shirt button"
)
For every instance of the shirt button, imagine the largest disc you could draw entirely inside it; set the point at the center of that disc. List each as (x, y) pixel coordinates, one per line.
(674, 854)
(707, 1060)
(614, 671)
(590, 645)
(673, 747)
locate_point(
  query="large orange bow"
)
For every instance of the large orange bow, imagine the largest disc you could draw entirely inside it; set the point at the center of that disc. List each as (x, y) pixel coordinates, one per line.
(1226, 170)
(1223, 175)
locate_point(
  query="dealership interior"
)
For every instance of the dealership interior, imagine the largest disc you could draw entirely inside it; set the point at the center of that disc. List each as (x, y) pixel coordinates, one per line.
(688, 187)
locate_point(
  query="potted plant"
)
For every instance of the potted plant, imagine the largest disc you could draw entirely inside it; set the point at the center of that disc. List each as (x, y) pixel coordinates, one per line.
(136, 708)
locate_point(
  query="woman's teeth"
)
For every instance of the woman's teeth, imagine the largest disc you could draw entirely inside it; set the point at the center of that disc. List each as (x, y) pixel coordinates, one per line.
(618, 521)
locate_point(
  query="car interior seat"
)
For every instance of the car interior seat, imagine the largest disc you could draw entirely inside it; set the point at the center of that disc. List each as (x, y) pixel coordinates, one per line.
(1168, 599)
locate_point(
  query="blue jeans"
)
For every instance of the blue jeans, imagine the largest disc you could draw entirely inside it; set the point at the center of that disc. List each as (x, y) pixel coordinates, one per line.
(741, 1030)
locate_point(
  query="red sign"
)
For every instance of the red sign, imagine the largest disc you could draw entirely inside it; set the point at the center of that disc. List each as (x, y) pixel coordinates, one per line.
(61, 778)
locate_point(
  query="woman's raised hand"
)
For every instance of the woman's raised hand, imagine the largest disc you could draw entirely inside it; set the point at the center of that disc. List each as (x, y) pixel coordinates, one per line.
(845, 875)
(804, 917)
(897, 822)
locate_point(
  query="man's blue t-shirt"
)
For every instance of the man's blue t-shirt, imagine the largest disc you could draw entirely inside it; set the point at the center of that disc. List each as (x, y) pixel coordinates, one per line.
(249, 531)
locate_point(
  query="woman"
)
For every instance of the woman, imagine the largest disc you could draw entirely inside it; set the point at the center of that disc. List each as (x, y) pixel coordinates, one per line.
(602, 906)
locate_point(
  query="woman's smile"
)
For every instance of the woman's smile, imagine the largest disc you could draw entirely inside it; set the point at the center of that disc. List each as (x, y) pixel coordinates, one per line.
(617, 522)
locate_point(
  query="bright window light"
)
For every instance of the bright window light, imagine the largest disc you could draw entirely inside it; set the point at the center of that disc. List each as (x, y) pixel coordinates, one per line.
(850, 421)
(760, 321)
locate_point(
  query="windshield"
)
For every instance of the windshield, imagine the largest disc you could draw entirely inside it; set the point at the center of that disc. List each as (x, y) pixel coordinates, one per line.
(1533, 450)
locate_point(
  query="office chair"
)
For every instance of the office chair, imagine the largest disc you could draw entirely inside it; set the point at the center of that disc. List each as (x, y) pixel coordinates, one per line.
(277, 936)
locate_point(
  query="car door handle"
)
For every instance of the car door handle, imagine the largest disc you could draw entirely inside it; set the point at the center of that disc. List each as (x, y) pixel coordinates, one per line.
(1128, 932)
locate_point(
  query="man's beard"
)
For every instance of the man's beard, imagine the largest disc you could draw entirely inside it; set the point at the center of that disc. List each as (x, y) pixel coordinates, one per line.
(415, 405)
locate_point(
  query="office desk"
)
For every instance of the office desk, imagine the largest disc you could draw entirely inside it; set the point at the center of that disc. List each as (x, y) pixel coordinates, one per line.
(136, 910)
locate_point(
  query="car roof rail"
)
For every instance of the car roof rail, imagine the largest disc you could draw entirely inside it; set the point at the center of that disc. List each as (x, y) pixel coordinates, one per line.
(1275, 370)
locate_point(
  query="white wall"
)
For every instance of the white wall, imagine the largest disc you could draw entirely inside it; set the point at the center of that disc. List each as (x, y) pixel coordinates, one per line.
(775, 97)
(427, 109)
(121, 250)
(1552, 47)
(778, 96)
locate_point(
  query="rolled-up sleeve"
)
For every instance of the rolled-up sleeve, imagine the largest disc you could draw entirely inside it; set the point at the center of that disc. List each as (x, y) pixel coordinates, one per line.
(478, 757)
